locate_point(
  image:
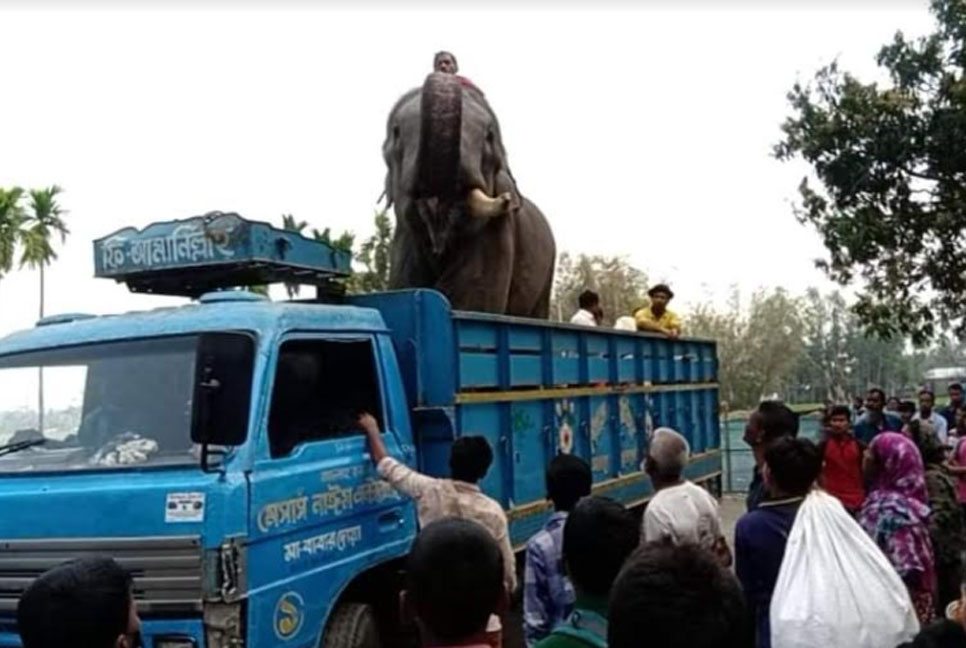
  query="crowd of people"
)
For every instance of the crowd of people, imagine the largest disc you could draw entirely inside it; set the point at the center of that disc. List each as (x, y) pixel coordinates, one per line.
(596, 576)
(654, 316)
(897, 468)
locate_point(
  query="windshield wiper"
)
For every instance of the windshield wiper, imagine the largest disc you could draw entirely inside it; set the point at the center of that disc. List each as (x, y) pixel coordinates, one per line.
(10, 448)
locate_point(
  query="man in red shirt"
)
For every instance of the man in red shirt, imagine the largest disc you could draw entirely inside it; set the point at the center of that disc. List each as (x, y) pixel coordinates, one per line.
(841, 454)
(445, 62)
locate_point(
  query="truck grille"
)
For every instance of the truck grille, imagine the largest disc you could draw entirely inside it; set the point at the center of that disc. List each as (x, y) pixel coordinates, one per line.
(167, 571)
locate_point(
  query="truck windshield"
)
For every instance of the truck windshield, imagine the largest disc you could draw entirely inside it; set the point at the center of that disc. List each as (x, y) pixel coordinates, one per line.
(117, 404)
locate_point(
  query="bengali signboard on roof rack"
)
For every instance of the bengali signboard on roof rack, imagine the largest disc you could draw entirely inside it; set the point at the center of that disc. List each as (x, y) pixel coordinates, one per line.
(217, 250)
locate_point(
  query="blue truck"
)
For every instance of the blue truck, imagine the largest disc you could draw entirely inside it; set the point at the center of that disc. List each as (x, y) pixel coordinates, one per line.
(211, 448)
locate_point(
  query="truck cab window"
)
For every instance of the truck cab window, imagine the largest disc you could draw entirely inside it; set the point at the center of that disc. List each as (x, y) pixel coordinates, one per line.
(321, 386)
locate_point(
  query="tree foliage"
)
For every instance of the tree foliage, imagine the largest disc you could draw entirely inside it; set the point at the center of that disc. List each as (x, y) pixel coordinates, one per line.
(12, 216)
(374, 256)
(890, 162)
(758, 346)
(621, 286)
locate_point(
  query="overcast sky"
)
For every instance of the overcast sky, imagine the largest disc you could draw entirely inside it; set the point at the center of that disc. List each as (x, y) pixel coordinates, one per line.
(644, 132)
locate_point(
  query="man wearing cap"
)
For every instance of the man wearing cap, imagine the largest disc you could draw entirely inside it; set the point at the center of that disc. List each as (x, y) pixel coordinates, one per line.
(656, 317)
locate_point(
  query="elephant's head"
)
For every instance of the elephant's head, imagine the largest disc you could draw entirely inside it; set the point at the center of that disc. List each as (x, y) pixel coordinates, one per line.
(447, 169)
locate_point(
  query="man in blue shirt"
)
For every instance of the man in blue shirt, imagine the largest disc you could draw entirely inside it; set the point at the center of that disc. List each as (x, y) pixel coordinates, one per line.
(955, 402)
(548, 595)
(772, 420)
(875, 419)
(791, 467)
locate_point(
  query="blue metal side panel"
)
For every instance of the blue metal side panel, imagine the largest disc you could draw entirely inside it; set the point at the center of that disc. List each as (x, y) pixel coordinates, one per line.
(566, 358)
(601, 437)
(485, 419)
(626, 360)
(529, 450)
(421, 326)
(635, 490)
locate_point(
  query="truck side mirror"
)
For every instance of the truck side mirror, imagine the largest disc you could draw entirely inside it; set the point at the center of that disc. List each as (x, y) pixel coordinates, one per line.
(223, 390)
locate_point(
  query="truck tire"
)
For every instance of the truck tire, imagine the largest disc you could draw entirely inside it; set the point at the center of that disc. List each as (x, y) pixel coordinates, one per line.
(353, 625)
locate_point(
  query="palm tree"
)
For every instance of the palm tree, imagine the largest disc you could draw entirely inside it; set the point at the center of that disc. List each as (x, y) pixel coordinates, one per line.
(290, 224)
(11, 220)
(39, 226)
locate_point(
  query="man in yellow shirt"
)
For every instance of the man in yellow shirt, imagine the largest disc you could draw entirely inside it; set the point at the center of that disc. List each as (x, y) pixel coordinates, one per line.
(656, 317)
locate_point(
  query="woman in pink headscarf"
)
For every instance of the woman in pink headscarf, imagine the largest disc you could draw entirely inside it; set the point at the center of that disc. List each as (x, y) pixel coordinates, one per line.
(896, 515)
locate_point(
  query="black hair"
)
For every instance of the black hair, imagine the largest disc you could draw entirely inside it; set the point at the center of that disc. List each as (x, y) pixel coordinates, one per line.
(777, 420)
(957, 386)
(840, 410)
(930, 447)
(907, 407)
(568, 479)
(470, 458)
(442, 53)
(677, 596)
(454, 578)
(794, 464)
(880, 393)
(926, 390)
(661, 288)
(83, 604)
(598, 536)
(588, 299)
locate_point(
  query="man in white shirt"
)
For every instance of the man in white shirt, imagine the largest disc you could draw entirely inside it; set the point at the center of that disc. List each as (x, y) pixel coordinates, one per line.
(589, 313)
(680, 511)
(436, 498)
(926, 413)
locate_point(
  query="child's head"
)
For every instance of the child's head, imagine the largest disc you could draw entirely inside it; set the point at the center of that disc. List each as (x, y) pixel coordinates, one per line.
(839, 419)
(568, 479)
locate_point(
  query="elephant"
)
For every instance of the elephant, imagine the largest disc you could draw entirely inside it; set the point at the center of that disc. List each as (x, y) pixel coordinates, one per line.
(462, 225)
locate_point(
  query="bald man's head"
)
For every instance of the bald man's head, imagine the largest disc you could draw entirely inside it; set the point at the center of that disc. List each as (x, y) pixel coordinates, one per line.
(667, 454)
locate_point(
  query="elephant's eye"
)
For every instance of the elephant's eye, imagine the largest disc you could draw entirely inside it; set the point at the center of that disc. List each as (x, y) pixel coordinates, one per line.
(489, 137)
(395, 132)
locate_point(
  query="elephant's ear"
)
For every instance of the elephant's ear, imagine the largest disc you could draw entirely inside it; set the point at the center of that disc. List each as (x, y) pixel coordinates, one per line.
(387, 146)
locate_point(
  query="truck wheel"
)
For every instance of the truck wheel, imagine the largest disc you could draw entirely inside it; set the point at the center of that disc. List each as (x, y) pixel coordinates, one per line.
(353, 625)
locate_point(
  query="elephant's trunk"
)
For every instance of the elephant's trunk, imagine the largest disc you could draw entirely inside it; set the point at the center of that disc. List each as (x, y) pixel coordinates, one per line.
(439, 144)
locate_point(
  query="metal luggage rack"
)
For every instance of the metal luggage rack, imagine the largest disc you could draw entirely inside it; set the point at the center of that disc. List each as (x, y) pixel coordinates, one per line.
(217, 251)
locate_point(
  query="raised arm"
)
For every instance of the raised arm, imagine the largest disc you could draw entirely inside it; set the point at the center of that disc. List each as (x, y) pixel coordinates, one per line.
(377, 449)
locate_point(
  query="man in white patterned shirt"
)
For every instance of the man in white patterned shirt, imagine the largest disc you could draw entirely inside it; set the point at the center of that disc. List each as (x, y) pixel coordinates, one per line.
(460, 496)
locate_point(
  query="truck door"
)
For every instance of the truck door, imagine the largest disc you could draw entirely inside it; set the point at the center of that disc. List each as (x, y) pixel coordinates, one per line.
(320, 514)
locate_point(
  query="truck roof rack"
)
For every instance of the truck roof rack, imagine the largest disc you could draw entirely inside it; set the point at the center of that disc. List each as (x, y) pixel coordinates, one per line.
(216, 251)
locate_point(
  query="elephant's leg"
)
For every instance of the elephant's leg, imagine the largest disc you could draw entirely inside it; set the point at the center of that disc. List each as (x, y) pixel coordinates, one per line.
(478, 273)
(535, 259)
(542, 308)
(409, 267)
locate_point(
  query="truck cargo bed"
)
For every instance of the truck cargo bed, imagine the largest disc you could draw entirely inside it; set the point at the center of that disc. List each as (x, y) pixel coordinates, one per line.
(535, 389)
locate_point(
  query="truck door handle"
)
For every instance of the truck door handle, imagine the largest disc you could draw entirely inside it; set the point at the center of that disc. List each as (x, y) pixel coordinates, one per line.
(390, 521)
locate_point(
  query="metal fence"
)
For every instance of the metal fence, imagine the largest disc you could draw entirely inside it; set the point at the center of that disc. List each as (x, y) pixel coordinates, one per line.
(738, 461)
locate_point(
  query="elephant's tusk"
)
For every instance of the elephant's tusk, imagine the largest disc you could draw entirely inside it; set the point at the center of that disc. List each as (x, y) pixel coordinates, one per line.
(482, 206)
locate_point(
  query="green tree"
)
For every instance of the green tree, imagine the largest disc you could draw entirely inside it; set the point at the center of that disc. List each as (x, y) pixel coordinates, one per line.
(890, 161)
(759, 347)
(374, 256)
(11, 221)
(42, 223)
(290, 224)
(827, 360)
(621, 286)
